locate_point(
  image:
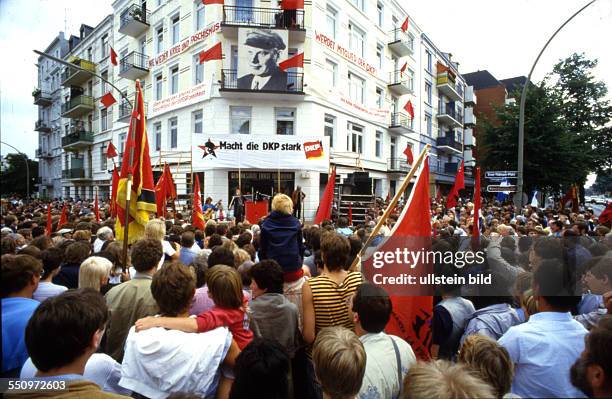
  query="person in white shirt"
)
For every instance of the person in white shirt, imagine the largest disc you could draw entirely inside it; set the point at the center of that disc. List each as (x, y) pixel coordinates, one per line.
(52, 258)
(103, 234)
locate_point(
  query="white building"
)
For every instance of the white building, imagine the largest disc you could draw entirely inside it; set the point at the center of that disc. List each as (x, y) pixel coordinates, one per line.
(353, 89)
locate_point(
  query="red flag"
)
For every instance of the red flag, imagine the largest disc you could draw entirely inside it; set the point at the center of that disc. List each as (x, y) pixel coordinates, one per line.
(160, 194)
(213, 53)
(111, 151)
(115, 183)
(403, 69)
(96, 210)
(113, 57)
(571, 195)
(410, 109)
(142, 190)
(170, 186)
(63, 218)
(350, 214)
(292, 4)
(49, 228)
(297, 61)
(107, 100)
(605, 217)
(408, 153)
(324, 211)
(405, 25)
(451, 200)
(209, 2)
(477, 200)
(197, 216)
(388, 197)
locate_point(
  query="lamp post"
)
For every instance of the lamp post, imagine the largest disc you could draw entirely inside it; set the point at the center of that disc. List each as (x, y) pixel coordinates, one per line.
(521, 133)
(25, 158)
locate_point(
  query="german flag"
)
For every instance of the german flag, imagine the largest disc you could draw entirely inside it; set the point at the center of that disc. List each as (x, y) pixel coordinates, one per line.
(142, 190)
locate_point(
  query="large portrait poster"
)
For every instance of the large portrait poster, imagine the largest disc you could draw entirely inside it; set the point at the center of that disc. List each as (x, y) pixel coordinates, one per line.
(259, 52)
(231, 151)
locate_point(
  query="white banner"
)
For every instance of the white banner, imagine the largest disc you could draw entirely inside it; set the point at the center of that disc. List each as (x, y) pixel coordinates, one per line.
(194, 94)
(233, 151)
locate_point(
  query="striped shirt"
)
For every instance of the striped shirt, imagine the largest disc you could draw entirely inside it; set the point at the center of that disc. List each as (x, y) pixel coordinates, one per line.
(330, 300)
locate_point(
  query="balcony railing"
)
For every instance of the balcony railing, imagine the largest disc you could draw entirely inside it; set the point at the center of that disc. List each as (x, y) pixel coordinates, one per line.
(448, 141)
(263, 17)
(401, 82)
(77, 106)
(76, 173)
(134, 20)
(78, 137)
(400, 120)
(40, 153)
(125, 110)
(400, 42)
(134, 65)
(72, 76)
(42, 126)
(294, 82)
(447, 84)
(42, 97)
(397, 165)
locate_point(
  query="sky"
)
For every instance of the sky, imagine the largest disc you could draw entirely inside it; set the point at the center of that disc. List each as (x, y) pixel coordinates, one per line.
(502, 36)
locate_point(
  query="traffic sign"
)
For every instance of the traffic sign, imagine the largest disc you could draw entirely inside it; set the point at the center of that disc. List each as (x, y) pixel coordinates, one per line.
(501, 174)
(499, 188)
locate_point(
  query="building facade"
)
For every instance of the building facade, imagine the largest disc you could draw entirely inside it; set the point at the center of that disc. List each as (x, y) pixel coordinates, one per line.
(360, 71)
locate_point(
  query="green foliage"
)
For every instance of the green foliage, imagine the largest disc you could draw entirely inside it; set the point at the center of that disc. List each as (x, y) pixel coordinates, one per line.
(603, 183)
(14, 176)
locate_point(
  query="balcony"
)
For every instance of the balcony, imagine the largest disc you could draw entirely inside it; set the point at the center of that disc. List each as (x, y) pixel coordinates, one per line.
(77, 139)
(134, 66)
(42, 98)
(470, 97)
(76, 174)
(448, 144)
(43, 154)
(470, 119)
(448, 116)
(125, 110)
(400, 43)
(44, 181)
(400, 123)
(267, 18)
(134, 21)
(400, 83)
(445, 82)
(468, 156)
(76, 77)
(397, 165)
(469, 139)
(288, 86)
(78, 106)
(42, 126)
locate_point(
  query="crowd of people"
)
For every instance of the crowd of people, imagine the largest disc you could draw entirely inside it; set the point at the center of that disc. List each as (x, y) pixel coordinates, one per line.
(278, 309)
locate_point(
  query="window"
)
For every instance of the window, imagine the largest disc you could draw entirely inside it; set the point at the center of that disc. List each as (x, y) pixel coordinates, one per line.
(174, 77)
(330, 128)
(199, 16)
(103, 119)
(359, 4)
(103, 159)
(429, 61)
(158, 86)
(159, 39)
(380, 10)
(428, 124)
(90, 54)
(240, 120)
(285, 121)
(428, 92)
(356, 40)
(143, 46)
(158, 133)
(331, 68)
(197, 122)
(175, 29)
(173, 130)
(380, 55)
(331, 22)
(356, 87)
(378, 148)
(198, 70)
(355, 138)
(103, 84)
(380, 97)
(122, 138)
(392, 147)
(104, 47)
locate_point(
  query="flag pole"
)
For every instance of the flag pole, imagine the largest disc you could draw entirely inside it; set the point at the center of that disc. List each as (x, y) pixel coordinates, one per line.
(391, 205)
(128, 192)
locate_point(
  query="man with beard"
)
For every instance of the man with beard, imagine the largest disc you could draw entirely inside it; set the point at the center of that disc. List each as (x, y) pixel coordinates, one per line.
(592, 372)
(263, 48)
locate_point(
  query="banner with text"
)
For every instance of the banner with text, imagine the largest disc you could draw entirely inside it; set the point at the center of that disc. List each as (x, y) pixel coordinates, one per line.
(181, 47)
(345, 53)
(194, 94)
(231, 151)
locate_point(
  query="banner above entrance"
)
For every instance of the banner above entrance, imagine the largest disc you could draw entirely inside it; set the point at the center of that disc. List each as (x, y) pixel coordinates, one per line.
(246, 151)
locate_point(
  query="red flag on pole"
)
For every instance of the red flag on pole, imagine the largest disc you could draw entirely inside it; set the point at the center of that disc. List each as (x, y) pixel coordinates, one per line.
(410, 109)
(405, 25)
(113, 57)
(96, 210)
(605, 218)
(292, 4)
(160, 195)
(107, 100)
(477, 201)
(115, 185)
(49, 228)
(408, 153)
(197, 216)
(170, 186)
(403, 69)
(324, 211)
(451, 200)
(350, 214)
(438, 194)
(213, 53)
(297, 61)
(111, 151)
(63, 218)
(209, 2)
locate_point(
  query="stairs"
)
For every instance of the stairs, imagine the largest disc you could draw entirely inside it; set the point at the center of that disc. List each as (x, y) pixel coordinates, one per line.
(345, 194)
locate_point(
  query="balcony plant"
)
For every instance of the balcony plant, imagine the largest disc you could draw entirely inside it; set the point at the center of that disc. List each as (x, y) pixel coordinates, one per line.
(136, 14)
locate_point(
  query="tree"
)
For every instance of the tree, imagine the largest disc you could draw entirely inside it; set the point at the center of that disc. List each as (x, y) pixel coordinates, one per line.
(603, 183)
(14, 175)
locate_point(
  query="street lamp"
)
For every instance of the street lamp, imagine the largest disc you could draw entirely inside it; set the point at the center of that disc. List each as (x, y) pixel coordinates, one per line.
(25, 158)
(521, 134)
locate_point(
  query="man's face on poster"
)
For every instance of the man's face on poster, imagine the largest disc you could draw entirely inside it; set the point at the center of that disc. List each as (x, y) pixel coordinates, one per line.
(262, 61)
